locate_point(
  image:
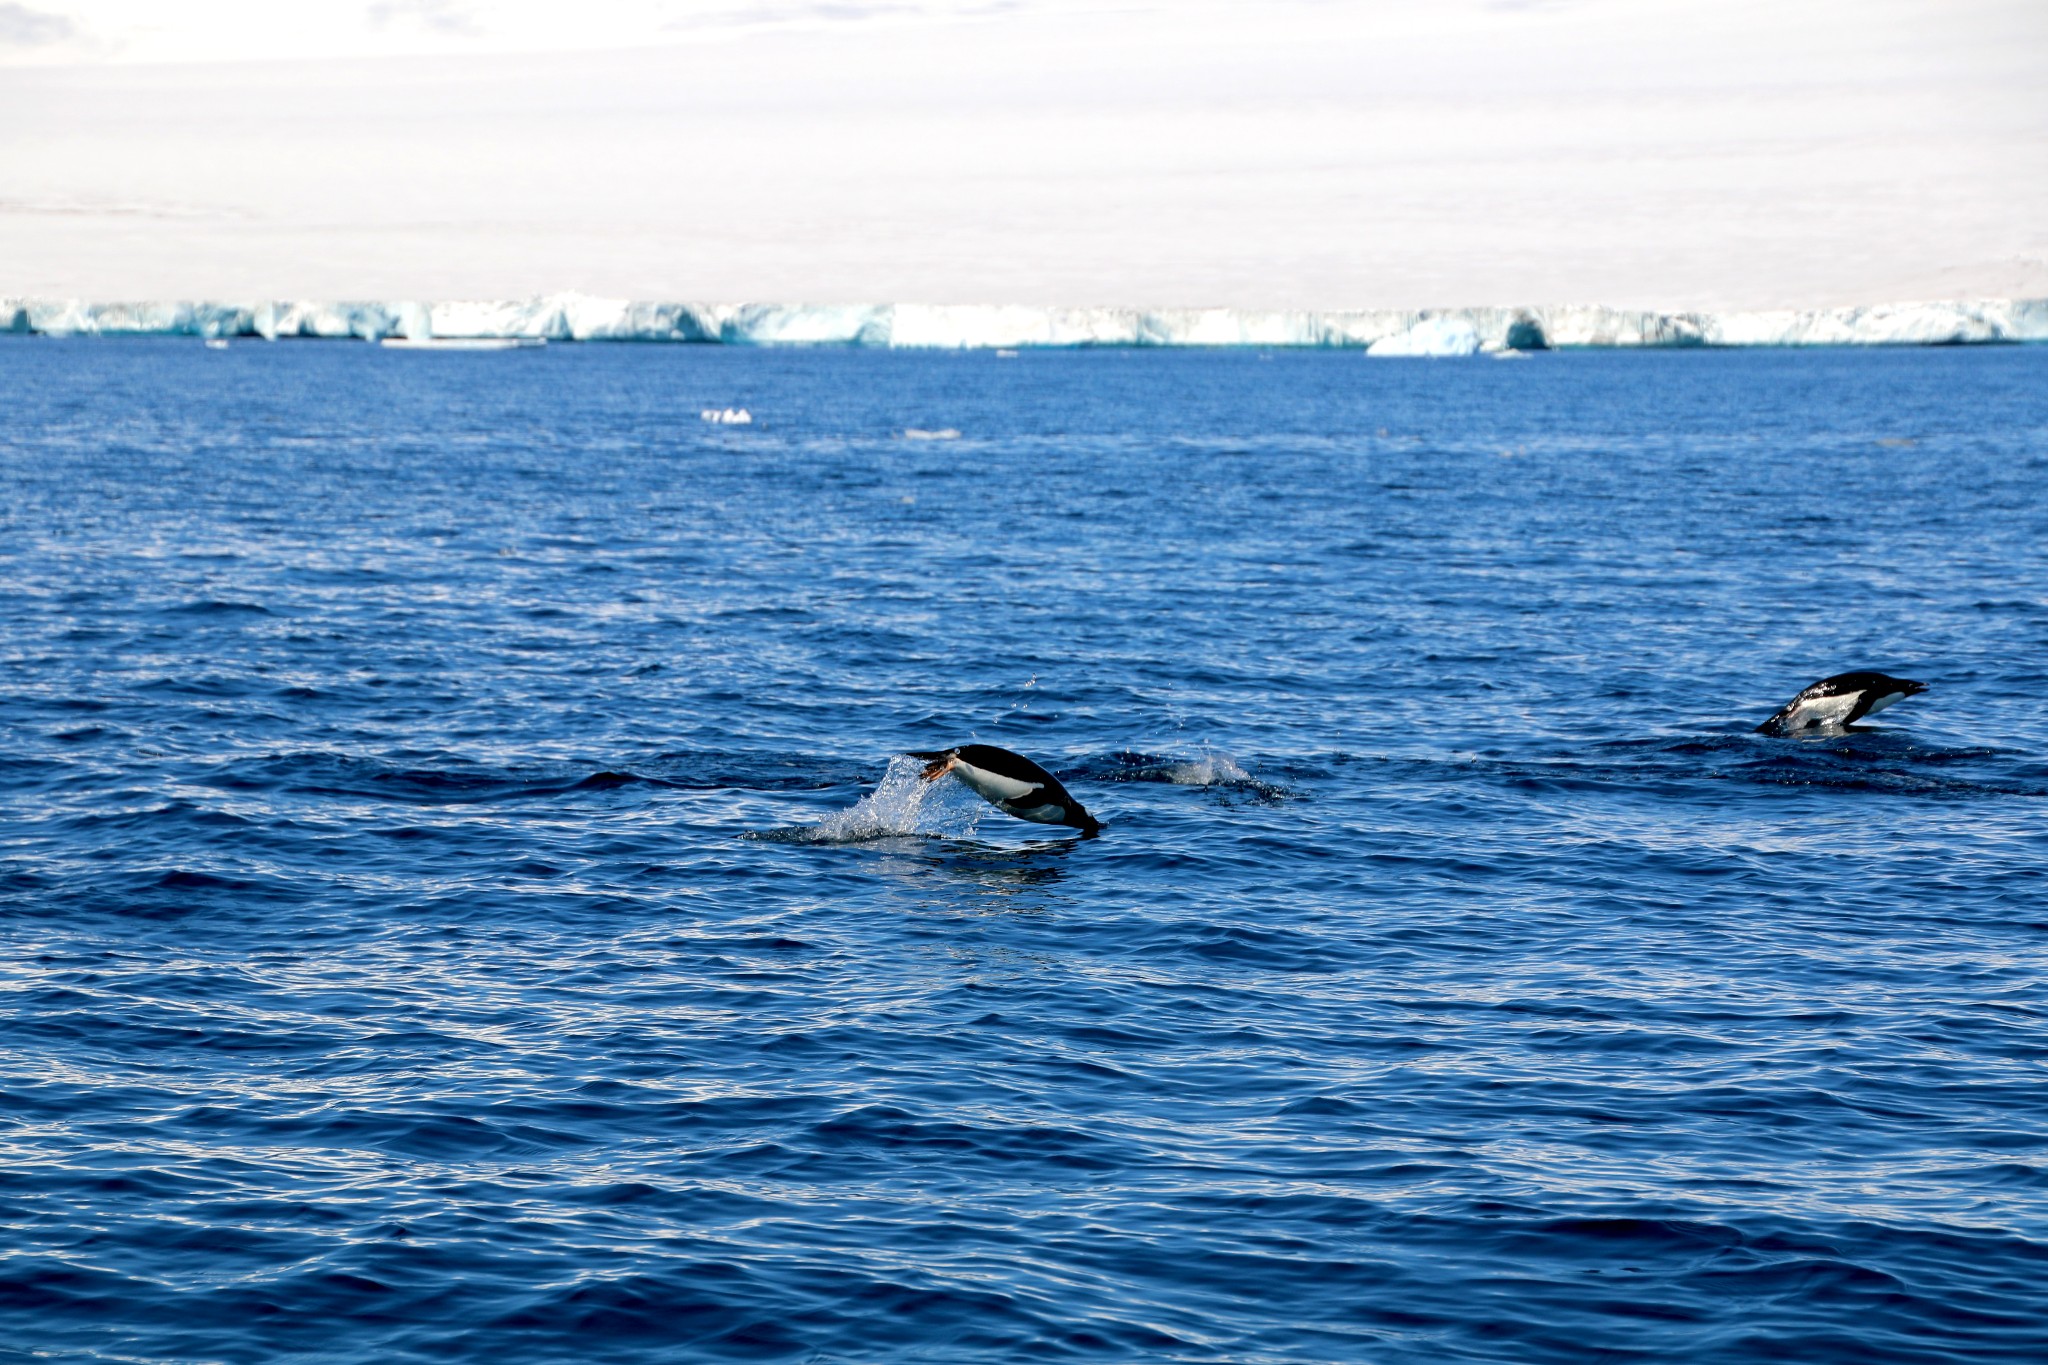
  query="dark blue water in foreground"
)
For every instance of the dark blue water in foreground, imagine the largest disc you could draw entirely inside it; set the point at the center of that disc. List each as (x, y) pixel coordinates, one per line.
(450, 914)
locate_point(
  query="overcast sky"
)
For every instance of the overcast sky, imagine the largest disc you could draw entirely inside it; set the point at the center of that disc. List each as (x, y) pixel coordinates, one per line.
(1277, 153)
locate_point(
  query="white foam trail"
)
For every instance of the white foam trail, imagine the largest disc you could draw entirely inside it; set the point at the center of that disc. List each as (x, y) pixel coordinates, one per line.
(904, 803)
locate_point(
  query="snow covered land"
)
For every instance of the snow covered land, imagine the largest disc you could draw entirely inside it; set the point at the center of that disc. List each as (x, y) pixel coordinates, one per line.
(1427, 332)
(1694, 156)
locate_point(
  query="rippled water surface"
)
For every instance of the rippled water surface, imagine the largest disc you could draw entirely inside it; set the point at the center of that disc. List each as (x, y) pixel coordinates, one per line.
(459, 904)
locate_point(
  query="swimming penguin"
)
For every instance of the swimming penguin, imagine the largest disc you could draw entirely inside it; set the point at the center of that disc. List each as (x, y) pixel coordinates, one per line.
(1010, 782)
(1837, 703)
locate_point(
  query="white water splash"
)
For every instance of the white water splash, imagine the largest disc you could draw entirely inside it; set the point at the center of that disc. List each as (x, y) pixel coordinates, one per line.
(904, 803)
(1210, 770)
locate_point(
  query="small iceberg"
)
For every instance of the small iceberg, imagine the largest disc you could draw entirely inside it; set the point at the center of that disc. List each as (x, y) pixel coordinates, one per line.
(727, 417)
(462, 343)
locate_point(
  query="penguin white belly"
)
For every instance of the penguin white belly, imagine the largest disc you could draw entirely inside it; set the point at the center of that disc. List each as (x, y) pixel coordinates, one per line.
(1886, 700)
(1818, 711)
(990, 786)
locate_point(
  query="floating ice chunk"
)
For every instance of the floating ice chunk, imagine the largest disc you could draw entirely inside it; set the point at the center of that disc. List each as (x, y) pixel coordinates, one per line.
(727, 417)
(463, 343)
(938, 434)
(1432, 336)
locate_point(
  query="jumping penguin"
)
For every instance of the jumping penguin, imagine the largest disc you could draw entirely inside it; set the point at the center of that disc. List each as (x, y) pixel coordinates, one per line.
(1012, 783)
(1839, 702)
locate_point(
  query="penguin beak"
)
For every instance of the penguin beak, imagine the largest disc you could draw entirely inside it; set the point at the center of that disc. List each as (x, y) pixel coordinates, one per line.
(937, 769)
(1911, 688)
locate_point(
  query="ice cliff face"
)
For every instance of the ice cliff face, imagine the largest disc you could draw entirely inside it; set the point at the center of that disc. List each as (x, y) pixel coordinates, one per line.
(1433, 332)
(1437, 336)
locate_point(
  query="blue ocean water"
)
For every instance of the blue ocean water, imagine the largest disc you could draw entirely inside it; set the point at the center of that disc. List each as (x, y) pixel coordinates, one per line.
(459, 902)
